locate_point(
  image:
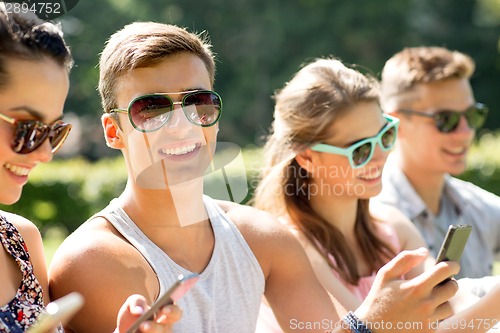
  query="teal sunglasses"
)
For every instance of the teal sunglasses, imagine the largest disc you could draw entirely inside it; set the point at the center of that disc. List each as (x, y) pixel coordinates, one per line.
(361, 152)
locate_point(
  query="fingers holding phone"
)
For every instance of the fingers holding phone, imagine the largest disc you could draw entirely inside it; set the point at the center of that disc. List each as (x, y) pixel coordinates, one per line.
(169, 314)
(135, 306)
(134, 317)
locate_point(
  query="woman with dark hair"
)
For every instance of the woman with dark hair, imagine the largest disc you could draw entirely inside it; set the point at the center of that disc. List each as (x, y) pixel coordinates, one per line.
(34, 67)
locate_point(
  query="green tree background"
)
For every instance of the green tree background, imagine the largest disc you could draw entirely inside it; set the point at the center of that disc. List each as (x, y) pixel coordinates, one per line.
(259, 45)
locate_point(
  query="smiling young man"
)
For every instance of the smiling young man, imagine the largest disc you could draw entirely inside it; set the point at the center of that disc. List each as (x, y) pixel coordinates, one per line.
(156, 84)
(428, 88)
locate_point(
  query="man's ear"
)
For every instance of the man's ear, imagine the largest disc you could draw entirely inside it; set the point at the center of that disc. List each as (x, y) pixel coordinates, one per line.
(112, 132)
(304, 159)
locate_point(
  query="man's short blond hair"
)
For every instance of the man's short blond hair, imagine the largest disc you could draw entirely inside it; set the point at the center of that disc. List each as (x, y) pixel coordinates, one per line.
(425, 64)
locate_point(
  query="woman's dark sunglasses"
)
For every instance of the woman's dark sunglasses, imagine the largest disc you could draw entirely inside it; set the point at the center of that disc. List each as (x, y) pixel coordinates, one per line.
(447, 120)
(149, 113)
(30, 134)
(361, 152)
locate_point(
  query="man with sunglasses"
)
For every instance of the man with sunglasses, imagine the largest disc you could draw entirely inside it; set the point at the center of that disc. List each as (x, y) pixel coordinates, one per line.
(156, 85)
(428, 89)
(35, 63)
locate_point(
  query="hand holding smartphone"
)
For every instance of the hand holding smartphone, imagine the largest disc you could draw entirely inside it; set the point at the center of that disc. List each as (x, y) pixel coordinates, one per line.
(176, 291)
(56, 312)
(454, 243)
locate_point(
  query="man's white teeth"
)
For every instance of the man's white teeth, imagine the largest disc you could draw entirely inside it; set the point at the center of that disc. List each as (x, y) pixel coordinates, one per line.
(179, 150)
(456, 150)
(17, 170)
(373, 176)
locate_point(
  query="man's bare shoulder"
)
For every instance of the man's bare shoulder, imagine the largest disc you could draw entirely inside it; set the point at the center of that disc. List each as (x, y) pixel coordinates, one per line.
(92, 251)
(100, 264)
(270, 241)
(92, 236)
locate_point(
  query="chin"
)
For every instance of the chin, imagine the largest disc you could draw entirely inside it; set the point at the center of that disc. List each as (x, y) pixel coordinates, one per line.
(457, 170)
(456, 173)
(366, 194)
(10, 199)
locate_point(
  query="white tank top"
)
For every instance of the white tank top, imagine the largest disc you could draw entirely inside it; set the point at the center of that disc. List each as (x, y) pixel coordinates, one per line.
(227, 296)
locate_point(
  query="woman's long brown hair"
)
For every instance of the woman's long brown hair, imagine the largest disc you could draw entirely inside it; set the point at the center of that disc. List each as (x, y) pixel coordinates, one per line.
(310, 102)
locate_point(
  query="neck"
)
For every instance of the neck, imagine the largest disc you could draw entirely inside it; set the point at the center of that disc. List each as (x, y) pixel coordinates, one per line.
(428, 185)
(340, 212)
(337, 211)
(175, 220)
(175, 205)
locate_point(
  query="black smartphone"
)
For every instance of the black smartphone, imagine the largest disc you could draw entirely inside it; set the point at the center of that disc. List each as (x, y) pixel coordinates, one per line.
(176, 291)
(454, 243)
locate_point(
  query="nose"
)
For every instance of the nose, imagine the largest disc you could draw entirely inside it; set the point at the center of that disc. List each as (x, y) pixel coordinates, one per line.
(178, 120)
(463, 127)
(43, 153)
(379, 154)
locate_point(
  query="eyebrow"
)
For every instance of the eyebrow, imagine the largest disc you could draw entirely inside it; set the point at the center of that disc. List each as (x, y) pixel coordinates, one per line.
(192, 89)
(34, 113)
(383, 126)
(196, 88)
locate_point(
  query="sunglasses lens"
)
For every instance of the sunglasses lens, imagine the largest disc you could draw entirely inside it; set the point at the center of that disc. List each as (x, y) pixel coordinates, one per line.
(149, 113)
(447, 121)
(360, 155)
(389, 137)
(60, 132)
(203, 107)
(476, 116)
(29, 136)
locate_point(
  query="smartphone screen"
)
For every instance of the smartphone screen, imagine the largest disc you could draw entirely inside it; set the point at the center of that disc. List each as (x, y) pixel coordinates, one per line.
(176, 291)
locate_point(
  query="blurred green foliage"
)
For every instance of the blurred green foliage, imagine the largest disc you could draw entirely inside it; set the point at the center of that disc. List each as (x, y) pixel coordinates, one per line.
(260, 44)
(484, 163)
(66, 193)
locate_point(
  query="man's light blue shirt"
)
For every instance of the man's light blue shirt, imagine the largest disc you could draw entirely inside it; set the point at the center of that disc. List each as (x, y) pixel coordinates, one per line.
(462, 203)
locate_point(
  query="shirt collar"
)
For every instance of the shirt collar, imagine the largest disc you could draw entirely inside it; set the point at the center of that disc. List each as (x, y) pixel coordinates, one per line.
(451, 192)
(410, 202)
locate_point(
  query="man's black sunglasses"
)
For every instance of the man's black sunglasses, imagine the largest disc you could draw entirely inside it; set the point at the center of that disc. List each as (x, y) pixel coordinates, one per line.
(447, 120)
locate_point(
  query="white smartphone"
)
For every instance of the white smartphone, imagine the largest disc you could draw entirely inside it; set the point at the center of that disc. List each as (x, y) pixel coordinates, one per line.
(176, 291)
(56, 312)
